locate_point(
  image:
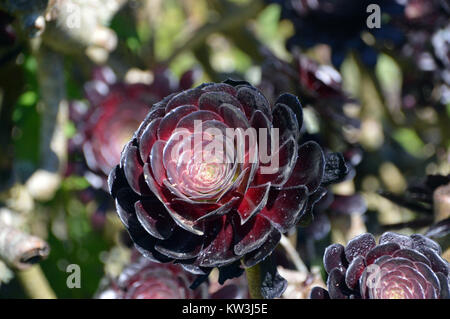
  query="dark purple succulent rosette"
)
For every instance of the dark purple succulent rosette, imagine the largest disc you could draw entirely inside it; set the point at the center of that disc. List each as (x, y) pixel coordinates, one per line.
(399, 267)
(339, 24)
(144, 279)
(211, 214)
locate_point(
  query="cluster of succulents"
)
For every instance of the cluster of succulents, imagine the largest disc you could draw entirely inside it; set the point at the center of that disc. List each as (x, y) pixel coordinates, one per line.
(187, 212)
(399, 267)
(312, 122)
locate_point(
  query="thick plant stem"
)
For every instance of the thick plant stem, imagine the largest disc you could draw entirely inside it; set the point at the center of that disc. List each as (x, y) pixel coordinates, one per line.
(254, 281)
(35, 283)
(293, 255)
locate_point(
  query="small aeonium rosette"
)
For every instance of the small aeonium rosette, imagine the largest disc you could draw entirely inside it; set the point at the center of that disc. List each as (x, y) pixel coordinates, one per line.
(144, 279)
(399, 267)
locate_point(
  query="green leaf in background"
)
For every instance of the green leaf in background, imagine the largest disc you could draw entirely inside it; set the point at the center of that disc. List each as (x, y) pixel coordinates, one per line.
(169, 31)
(28, 99)
(410, 141)
(75, 183)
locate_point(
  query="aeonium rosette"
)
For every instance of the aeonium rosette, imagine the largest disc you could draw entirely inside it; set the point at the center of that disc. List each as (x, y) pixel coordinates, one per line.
(144, 279)
(399, 267)
(215, 174)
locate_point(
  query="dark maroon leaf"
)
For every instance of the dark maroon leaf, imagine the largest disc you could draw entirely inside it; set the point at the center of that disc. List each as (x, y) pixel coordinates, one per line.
(402, 240)
(309, 168)
(319, 293)
(272, 284)
(354, 271)
(335, 168)
(334, 257)
(359, 246)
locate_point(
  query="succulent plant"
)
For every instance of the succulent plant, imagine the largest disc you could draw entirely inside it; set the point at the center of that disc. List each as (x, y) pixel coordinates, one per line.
(340, 24)
(144, 279)
(205, 209)
(399, 267)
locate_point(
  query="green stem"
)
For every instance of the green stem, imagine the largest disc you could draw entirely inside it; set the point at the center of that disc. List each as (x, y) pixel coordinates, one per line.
(35, 283)
(254, 281)
(293, 255)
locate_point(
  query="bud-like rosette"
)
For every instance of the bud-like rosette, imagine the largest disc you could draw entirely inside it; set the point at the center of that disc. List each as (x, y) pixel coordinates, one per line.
(399, 267)
(215, 174)
(116, 111)
(144, 279)
(319, 86)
